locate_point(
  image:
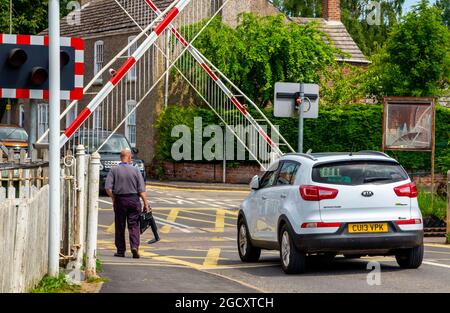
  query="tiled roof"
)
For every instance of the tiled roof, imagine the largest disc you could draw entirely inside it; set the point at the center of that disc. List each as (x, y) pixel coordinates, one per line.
(340, 37)
(100, 17)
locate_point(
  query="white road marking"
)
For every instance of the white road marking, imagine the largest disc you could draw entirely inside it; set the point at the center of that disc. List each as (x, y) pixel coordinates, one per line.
(436, 264)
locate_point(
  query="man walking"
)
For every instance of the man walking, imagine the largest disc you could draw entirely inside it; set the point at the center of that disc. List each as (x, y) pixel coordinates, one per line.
(125, 185)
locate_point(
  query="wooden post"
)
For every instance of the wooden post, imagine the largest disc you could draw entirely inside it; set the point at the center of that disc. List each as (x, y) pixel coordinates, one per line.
(80, 202)
(91, 241)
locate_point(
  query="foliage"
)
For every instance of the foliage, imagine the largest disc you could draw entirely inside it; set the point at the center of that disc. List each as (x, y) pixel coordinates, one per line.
(262, 51)
(344, 85)
(29, 17)
(444, 5)
(55, 285)
(96, 280)
(439, 209)
(415, 61)
(338, 128)
(305, 8)
(354, 14)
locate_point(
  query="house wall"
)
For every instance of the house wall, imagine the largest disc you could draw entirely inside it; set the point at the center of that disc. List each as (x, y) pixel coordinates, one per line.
(206, 172)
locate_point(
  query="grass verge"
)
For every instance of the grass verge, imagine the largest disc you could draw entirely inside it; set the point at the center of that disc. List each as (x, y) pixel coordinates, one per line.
(439, 209)
(55, 285)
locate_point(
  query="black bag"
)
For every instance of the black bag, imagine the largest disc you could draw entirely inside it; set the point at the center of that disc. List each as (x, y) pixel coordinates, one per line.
(146, 221)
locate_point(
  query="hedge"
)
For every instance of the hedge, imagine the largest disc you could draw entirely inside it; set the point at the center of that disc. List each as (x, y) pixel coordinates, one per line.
(338, 129)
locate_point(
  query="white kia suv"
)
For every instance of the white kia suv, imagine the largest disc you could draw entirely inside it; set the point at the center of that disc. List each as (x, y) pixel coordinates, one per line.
(354, 204)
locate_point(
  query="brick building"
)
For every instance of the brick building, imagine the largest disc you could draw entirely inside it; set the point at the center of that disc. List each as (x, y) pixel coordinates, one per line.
(106, 30)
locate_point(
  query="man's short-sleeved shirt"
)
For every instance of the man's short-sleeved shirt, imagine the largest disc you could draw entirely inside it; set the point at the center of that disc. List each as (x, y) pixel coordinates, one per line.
(125, 179)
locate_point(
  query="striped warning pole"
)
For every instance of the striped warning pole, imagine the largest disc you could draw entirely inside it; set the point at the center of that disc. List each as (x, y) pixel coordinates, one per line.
(200, 60)
(131, 61)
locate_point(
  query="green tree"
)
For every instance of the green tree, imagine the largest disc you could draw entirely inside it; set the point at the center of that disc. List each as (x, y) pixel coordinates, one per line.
(415, 60)
(29, 17)
(305, 8)
(261, 51)
(354, 14)
(444, 5)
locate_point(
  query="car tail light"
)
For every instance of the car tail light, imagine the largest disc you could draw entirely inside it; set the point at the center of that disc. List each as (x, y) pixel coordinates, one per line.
(409, 222)
(408, 190)
(320, 225)
(317, 193)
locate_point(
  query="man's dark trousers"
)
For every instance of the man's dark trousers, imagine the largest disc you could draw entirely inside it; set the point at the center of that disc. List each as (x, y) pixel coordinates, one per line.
(127, 209)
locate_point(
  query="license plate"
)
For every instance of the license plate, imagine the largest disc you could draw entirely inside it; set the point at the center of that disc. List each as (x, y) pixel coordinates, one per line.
(368, 228)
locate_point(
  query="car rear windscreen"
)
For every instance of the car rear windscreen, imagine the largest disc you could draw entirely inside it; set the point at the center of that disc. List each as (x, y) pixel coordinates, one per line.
(358, 173)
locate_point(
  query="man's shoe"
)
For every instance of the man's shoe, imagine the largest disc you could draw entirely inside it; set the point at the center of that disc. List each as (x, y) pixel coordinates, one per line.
(135, 254)
(154, 240)
(119, 255)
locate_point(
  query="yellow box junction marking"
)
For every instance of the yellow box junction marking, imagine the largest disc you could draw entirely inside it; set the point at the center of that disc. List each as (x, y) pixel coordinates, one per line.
(220, 221)
(170, 218)
(212, 258)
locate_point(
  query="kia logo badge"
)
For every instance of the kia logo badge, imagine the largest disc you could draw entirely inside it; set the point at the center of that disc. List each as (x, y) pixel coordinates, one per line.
(367, 194)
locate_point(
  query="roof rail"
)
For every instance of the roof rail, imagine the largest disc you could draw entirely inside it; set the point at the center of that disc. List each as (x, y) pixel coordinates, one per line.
(375, 153)
(304, 155)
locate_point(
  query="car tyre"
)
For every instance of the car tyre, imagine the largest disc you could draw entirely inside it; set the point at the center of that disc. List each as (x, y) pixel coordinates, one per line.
(247, 252)
(410, 258)
(293, 261)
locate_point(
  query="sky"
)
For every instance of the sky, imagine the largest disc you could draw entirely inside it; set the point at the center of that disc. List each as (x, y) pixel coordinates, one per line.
(409, 3)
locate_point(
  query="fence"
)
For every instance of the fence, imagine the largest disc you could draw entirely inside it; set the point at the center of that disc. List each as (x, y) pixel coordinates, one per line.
(24, 214)
(24, 233)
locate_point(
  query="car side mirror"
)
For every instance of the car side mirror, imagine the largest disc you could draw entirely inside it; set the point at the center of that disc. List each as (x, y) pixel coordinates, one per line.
(254, 184)
(135, 150)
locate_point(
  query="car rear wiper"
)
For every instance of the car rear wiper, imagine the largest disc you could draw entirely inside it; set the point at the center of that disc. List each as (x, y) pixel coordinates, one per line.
(374, 179)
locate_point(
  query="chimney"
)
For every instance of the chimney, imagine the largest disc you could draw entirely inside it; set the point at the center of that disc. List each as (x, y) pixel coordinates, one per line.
(331, 10)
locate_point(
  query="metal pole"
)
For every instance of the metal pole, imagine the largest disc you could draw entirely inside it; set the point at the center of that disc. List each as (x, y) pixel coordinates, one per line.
(224, 164)
(91, 241)
(167, 78)
(32, 126)
(448, 207)
(81, 174)
(10, 16)
(300, 120)
(433, 152)
(8, 105)
(8, 112)
(54, 150)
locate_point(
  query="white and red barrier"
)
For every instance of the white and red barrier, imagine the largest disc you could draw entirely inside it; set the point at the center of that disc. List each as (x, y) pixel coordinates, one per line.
(123, 70)
(199, 58)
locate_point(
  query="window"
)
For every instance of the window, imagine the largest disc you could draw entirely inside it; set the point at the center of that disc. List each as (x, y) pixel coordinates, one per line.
(21, 116)
(132, 73)
(42, 118)
(98, 59)
(359, 173)
(287, 173)
(130, 126)
(13, 133)
(71, 115)
(270, 176)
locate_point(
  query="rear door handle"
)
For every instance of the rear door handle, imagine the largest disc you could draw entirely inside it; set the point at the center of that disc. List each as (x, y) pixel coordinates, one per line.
(264, 197)
(283, 196)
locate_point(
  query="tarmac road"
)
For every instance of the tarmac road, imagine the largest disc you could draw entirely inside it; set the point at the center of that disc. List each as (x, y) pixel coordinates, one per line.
(198, 254)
